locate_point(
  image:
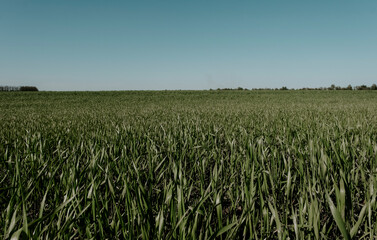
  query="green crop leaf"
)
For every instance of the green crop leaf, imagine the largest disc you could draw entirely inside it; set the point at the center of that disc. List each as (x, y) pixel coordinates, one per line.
(359, 220)
(338, 218)
(223, 230)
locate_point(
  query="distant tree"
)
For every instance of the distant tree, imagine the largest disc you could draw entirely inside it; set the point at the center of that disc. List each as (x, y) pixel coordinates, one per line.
(373, 87)
(362, 87)
(9, 88)
(349, 87)
(284, 88)
(28, 89)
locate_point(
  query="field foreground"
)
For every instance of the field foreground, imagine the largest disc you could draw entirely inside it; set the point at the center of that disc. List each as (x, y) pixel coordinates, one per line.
(188, 165)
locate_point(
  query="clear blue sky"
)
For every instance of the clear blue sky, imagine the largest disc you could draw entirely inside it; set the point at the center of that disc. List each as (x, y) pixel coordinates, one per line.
(135, 45)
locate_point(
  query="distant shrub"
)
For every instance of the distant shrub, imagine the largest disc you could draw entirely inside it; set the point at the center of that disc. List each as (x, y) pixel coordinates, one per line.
(229, 89)
(362, 87)
(28, 89)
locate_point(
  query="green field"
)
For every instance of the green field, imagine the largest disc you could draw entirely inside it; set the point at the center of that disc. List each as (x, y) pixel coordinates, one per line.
(188, 165)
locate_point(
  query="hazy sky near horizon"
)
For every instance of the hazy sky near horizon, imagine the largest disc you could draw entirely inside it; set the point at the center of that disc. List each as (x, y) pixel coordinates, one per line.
(152, 45)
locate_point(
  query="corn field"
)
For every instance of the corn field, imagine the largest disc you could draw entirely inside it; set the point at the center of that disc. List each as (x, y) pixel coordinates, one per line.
(188, 165)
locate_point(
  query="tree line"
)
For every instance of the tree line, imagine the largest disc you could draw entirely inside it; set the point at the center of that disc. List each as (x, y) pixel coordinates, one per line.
(18, 88)
(332, 87)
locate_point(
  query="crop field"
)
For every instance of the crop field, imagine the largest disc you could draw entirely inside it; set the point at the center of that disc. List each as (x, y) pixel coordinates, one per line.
(188, 165)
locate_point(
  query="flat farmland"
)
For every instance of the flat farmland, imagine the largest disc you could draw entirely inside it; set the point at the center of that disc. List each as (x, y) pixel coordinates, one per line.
(188, 165)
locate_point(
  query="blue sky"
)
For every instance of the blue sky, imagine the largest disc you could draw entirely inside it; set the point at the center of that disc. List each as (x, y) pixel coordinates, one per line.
(152, 45)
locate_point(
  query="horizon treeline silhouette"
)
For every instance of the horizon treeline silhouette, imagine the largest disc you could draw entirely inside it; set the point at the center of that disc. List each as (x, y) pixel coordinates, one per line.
(332, 87)
(18, 88)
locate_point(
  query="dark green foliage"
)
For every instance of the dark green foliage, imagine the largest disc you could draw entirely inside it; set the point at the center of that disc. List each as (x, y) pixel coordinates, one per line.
(28, 89)
(22, 88)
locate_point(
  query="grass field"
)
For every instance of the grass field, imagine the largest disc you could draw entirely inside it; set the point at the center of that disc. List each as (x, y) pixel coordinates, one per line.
(188, 165)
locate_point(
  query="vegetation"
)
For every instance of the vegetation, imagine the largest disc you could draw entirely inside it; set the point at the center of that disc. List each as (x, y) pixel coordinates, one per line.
(332, 87)
(188, 165)
(28, 89)
(22, 89)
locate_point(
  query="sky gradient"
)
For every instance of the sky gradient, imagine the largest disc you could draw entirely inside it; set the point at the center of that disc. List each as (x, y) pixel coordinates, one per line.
(75, 45)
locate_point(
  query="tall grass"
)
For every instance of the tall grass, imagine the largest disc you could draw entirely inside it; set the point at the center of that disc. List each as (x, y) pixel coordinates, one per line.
(188, 165)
